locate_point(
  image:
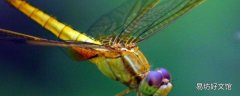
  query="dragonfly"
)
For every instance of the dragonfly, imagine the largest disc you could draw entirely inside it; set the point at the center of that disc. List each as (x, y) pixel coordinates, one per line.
(111, 43)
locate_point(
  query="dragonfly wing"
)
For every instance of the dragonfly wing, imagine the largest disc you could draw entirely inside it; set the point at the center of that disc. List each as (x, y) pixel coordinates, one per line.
(162, 15)
(136, 20)
(107, 24)
(79, 50)
(8, 35)
(116, 21)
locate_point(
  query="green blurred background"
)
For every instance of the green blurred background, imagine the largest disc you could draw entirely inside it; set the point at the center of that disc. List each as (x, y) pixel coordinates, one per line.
(201, 47)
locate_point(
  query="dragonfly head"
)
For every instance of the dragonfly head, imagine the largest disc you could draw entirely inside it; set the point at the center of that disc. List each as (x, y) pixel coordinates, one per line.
(156, 81)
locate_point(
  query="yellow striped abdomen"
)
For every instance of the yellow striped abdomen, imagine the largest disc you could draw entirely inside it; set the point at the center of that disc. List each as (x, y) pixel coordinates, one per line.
(59, 29)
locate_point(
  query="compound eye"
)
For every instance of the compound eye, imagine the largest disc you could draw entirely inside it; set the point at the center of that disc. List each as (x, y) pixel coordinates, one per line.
(165, 74)
(150, 84)
(154, 79)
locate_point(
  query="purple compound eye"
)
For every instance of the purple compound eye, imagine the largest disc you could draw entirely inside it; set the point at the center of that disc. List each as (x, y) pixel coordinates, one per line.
(154, 78)
(164, 73)
(151, 83)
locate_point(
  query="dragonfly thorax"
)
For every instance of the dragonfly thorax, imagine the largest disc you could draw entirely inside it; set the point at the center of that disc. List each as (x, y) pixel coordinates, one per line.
(123, 47)
(118, 43)
(129, 67)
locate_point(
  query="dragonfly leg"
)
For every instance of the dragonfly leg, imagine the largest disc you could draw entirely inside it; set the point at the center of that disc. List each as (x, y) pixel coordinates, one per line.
(124, 92)
(139, 94)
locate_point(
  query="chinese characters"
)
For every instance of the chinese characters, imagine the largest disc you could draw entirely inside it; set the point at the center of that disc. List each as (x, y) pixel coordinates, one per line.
(214, 86)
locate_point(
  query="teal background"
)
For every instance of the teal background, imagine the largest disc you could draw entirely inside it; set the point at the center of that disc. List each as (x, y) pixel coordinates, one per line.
(203, 46)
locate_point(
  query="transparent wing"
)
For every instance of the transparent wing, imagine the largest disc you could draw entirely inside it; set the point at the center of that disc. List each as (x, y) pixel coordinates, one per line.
(138, 19)
(116, 21)
(19, 38)
(163, 14)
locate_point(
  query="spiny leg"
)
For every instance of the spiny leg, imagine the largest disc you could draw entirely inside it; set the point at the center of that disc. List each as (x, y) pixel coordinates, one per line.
(124, 92)
(139, 94)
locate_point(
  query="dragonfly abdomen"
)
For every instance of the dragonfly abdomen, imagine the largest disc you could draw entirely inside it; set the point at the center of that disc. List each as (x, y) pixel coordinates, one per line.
(59, 29)
(128, 68)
